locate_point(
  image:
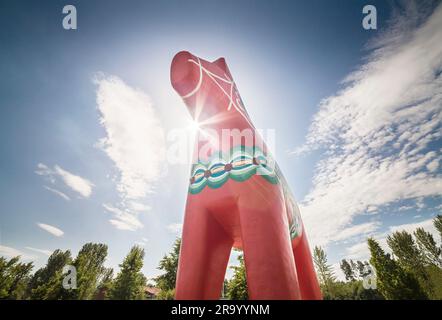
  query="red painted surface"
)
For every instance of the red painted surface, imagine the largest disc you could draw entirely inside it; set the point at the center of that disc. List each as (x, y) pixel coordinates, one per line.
(252, 215)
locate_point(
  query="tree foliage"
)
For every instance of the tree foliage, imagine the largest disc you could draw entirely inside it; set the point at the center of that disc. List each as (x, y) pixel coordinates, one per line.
(237, 286)
(130, 282)
(14, 277)
(166, 294)
(105, 283)
(89, 265)
(413, 271)
(393, 281)
(46, 284)
(348, 270)
(431, 253)
(437, 221)
(410, 258)
(325, 273)
(169, 265)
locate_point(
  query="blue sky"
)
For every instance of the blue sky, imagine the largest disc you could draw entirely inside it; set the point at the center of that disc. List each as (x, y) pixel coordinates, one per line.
(356, 112)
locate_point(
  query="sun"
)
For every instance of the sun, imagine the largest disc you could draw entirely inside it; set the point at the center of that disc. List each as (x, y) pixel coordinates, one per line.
(194, 126)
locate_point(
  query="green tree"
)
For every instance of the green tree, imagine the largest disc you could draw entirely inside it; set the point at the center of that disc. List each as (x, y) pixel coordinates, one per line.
(353, 289)
(348, 270)
(130, 282)
(361, 268)
(46, 284)
(325, 273)
(405, 250)
(428, 247)
(410, 257)
(437, 221)
(166, 295)
(237, 286)
(392, 281)
(105, 283)
(169, 265)
(224, 289)
(89, 266)
(14, 277)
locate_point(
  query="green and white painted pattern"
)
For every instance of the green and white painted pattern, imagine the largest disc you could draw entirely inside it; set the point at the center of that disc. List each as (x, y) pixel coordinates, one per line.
(239, 164)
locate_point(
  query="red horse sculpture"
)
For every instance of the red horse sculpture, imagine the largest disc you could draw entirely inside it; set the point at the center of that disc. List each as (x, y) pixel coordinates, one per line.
(237, 198)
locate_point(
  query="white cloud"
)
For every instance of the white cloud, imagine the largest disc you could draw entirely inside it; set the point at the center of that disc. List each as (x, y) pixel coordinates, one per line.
(76, 183)
(134, 142)
(360, 251)
(337, 271)
(420, 204)
(143, 242)
(10, 252)
(51, 229)
(58, 193)
(377, 131)
(433, 165)
(175, 227)
(123, 220)
(43, 251)
(411, 227)
(139, 206)
(357, 230)
(134, 137)
(43, 170)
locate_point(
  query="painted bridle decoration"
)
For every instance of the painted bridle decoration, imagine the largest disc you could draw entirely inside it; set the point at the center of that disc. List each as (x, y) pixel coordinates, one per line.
(232, 95)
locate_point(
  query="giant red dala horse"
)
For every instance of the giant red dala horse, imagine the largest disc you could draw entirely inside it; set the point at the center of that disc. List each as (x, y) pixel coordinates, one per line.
(236, 198)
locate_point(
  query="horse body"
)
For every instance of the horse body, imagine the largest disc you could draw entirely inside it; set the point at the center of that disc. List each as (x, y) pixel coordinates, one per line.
(237, 197)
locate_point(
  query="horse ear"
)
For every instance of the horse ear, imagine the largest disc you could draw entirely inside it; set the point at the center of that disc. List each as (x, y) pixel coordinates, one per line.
(221, 63)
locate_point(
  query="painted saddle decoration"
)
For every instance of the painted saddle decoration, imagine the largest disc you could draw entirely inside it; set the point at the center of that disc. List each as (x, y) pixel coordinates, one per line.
(237, 198)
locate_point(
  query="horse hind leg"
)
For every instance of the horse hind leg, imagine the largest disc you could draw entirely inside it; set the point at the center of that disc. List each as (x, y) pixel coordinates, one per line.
(270, 267)
(308, 282)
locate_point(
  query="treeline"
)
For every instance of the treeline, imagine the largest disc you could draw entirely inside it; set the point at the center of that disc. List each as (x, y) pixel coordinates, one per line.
(93, 280)
(412, 271)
